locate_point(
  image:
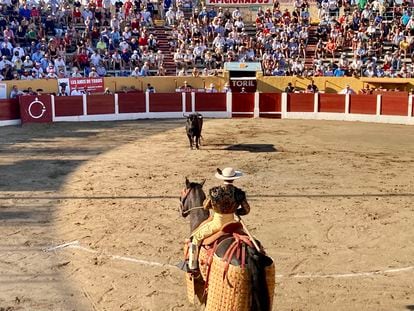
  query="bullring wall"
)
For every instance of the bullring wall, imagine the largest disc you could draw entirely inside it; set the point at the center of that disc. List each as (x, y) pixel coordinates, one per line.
(394, 107)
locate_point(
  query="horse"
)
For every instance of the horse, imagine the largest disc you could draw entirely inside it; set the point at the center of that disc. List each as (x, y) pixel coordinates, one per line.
(234, 275)
(193, 128)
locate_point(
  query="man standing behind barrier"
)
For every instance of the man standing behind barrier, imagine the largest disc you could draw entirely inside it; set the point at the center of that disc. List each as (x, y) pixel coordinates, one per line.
(290, 88)
(347, 90)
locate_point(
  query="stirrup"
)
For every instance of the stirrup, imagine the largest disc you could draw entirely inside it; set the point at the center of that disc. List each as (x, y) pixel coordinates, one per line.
(193, 257)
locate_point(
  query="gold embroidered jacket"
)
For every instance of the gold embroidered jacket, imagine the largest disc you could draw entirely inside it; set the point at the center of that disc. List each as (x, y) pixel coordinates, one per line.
(227, 199)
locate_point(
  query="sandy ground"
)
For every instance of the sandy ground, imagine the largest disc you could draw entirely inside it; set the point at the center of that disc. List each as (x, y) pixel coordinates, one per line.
(332, 202)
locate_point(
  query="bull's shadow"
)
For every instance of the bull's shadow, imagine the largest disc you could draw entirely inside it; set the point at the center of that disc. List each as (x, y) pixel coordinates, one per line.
(252, 147)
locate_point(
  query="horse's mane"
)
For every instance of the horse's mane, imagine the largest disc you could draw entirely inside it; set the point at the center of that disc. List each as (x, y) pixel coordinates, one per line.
(195, 199)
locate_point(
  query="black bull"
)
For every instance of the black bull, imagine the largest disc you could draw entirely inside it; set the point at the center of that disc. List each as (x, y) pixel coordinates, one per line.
(193, 127)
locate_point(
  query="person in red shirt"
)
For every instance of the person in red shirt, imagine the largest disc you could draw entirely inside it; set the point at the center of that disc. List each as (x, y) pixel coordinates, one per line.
(35, 14)
(127, 8)
(76, 15)
(143, 40)
(81, 60)
(331, 47)
(134, 23)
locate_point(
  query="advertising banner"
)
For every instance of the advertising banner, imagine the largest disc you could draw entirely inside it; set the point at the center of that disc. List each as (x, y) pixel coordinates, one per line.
(238, 2)
(79, 86)
(35, 109)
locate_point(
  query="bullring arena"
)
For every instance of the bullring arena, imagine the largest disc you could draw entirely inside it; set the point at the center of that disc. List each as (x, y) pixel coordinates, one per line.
(89, 211)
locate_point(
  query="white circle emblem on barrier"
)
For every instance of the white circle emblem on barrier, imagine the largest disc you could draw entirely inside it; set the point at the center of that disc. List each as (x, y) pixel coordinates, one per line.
(29, 109)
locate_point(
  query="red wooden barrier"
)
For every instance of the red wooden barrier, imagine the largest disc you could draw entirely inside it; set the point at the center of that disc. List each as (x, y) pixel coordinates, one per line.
(394, 104)
(188, 107)
(363, 104)
(131, 102)
(210, 102)
(35, 109)
(270, 102)
(300, 102)
(9, 109)
(162, 102)
(331, 103)
(100, 104)
(243, 103)
(68, 106)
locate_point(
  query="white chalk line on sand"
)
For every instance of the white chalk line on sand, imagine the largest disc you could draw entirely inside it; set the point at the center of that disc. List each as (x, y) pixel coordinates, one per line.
(76, 245)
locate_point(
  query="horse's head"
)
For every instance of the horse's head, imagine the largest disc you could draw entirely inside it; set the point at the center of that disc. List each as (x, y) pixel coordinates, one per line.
(192, 197)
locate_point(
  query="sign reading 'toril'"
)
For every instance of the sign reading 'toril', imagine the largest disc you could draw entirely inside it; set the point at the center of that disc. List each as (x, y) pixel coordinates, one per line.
(241, 85)
(237, 2)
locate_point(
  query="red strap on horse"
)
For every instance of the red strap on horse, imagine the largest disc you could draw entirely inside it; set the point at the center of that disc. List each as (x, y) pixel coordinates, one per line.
(210, 257)
(243, 256)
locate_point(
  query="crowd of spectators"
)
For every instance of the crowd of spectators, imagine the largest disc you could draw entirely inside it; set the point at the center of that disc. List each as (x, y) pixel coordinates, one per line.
(369, 38)
(69, 38)
(95, 38)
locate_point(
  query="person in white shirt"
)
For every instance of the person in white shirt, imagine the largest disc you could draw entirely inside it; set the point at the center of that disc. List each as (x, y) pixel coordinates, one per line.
(179, 15)
(51, 75)
(198, 53)
(15, 92)
(179, 58)
(16, 57)
(28, 63)
(114, 23)
(60, 64)
(135, 72)
(95, 58)
(170, 17)
(76, 92)
(19, 50)
(37, 71)
(347, 90)
(5, 62)
(123, 45)
(76, 73)
(236, 14)
(219, 41)
(93, 73)
(226, 88)
(26, 76)
(211, 89)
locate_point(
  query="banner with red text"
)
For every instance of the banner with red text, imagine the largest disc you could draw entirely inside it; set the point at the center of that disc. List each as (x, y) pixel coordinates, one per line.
(238, 2)
(79, 86)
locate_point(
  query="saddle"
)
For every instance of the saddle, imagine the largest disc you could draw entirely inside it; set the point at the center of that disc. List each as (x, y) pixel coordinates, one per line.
(227, 229)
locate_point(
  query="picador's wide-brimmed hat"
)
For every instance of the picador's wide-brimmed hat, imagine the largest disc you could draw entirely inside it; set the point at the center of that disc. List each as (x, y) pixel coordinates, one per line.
(228, 174)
